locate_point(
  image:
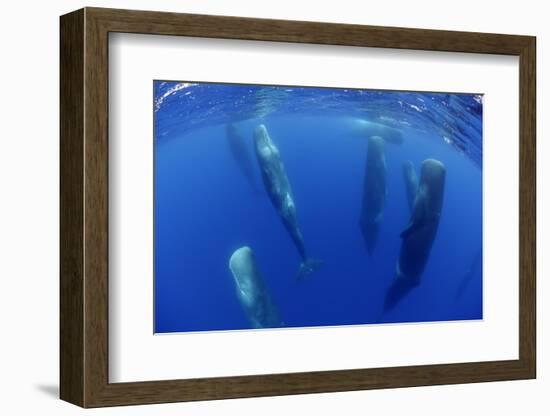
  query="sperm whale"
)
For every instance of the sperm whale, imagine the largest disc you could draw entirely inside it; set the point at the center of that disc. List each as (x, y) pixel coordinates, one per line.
(279, 191)
(252, 291)
(418, 237)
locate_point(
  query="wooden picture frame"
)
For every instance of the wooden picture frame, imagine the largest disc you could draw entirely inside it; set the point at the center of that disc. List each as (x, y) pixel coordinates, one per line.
(84, 207)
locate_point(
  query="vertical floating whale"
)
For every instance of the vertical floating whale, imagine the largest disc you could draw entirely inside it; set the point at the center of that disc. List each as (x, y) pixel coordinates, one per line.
(411, 182)
(475, 269)
(374, 192)
(278, 189)
(417, 239)
(366, 128)
(241, 151)
(252, 291)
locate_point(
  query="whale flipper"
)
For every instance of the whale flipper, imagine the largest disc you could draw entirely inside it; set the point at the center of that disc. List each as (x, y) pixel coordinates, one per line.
(411, 228)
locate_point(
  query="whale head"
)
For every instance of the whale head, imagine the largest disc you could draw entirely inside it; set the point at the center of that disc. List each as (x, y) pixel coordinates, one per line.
(251, 290)
(432, 186)
(433, 174)
(243, 267)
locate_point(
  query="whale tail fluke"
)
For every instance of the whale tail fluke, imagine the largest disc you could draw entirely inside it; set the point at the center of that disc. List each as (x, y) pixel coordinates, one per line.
(307, 267)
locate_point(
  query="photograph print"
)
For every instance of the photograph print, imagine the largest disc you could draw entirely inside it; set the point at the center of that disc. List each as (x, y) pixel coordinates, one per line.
(294, 207)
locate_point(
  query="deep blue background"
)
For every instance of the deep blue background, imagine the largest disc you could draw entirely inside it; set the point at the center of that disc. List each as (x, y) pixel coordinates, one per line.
(205, 208)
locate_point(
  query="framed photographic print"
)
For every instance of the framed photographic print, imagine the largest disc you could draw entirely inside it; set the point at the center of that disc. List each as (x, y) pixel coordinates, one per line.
(256, 207)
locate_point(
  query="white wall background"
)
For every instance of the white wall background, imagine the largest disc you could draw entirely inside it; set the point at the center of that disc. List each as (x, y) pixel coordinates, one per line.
(29, 209)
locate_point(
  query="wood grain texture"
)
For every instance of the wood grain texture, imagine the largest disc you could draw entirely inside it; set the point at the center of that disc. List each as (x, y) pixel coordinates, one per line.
(71, 208)
(96, 220)
(528, 207)
(226, 27)
(84, 207)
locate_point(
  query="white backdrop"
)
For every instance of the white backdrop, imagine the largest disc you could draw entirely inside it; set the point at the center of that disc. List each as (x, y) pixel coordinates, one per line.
(29, 220)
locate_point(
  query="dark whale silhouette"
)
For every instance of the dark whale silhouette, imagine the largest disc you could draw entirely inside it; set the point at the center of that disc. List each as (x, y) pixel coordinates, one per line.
(475, 267)
(278, 189)
(241, 150)
(417, 239)
(374, 192)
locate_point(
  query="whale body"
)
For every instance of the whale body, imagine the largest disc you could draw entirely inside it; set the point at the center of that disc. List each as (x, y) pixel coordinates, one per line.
(411, 182)
(241, 152)
(418, 237)
(374, 192)
(279, 191)
(366, 128)
(252, 291)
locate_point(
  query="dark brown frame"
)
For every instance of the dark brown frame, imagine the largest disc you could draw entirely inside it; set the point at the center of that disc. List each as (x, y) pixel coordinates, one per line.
(84, 208)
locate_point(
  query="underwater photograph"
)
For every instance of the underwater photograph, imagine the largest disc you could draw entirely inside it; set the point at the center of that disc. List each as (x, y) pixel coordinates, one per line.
(294, 207)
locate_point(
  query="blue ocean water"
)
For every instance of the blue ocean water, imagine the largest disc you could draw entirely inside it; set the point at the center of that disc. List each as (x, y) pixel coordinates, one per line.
(210, 200)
